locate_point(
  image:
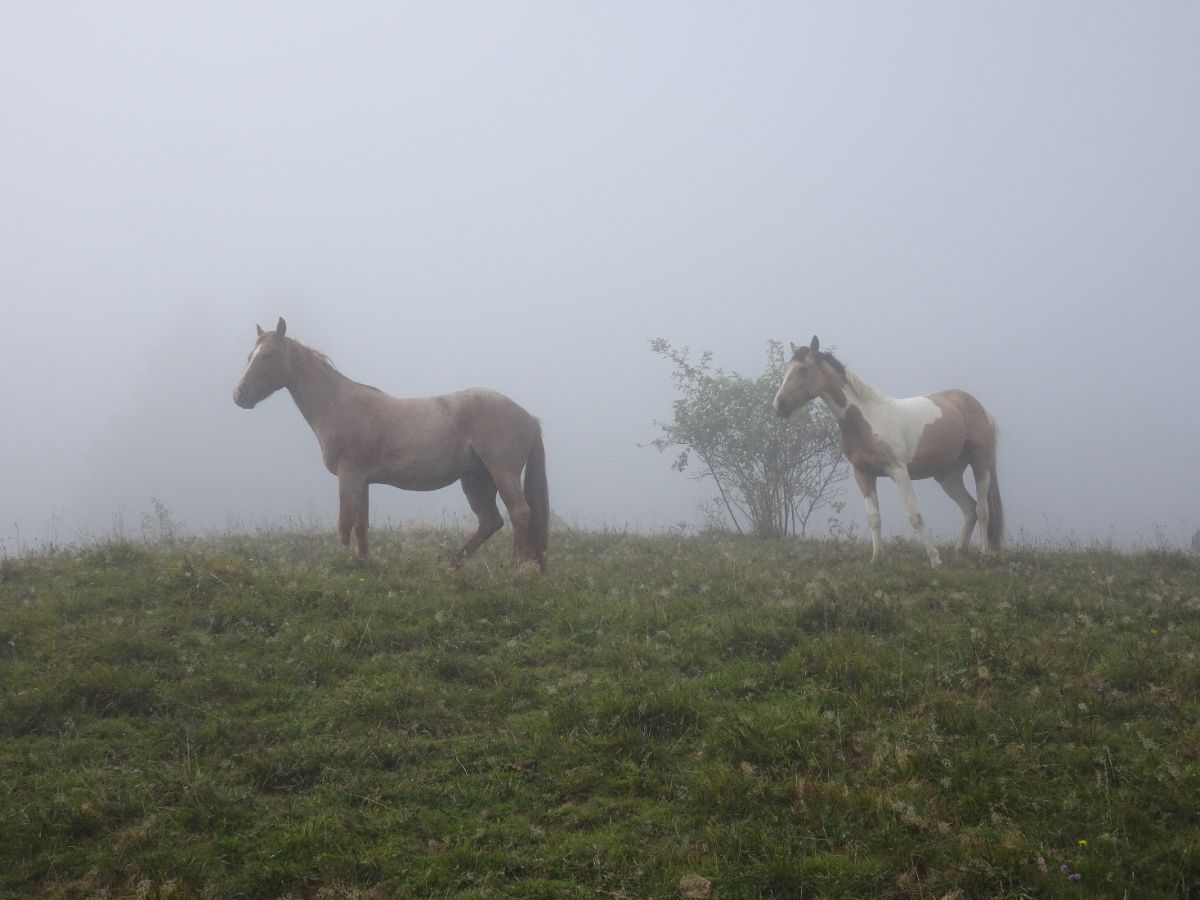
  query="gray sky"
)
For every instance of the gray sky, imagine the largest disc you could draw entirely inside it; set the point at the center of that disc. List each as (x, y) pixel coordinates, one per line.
(1003, 198)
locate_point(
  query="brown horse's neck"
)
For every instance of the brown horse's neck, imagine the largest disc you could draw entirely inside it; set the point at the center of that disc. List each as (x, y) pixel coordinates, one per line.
(315, 385)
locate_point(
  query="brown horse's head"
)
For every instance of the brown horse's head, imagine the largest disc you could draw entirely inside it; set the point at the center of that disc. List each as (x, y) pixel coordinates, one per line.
(269, 367)
(809, 374)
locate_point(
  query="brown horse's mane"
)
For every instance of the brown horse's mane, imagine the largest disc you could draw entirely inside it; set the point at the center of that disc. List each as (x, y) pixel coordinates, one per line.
(324, 359)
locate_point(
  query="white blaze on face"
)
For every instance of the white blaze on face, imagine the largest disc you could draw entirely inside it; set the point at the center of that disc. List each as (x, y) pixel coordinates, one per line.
(789, 376)
(237, 389)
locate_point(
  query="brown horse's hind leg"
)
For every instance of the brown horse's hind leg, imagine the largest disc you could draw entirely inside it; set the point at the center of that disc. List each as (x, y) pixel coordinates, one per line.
(952, 484)
(519, 514)
(481, 495)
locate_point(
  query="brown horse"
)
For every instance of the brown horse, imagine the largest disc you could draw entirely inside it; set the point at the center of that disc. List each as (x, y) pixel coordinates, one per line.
(936, 436)
(476, 436)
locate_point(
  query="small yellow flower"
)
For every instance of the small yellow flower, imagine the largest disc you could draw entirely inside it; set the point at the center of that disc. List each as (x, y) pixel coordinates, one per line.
(1154, 632)
(1082, 843)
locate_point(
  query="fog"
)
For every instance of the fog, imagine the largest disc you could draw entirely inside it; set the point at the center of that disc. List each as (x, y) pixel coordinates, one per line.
(1003, 199)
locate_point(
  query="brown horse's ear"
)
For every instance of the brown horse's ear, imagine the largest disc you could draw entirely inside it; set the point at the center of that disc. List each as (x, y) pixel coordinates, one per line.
(260, 331)
(281, 328)
(815, 345)
(794, 348)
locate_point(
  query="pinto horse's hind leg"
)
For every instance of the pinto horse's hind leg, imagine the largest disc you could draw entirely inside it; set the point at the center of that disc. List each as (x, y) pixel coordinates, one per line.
(481, 495)
(983, 484)
(952, 484)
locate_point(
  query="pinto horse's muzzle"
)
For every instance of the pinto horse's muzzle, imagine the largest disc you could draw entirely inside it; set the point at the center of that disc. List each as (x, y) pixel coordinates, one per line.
(785, 406)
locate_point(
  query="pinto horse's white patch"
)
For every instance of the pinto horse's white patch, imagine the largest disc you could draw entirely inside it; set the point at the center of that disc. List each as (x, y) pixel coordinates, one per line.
(900, 423)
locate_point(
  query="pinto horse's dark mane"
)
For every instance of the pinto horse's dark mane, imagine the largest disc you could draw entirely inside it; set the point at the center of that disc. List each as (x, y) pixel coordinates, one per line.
(833, 361)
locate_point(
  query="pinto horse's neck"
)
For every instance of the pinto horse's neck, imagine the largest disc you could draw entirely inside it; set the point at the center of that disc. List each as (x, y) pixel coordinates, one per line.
(850, 390)
(873, 425)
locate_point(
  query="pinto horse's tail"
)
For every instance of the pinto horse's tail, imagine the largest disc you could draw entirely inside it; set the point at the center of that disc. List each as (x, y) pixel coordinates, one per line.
(995, 528)
(537, 495)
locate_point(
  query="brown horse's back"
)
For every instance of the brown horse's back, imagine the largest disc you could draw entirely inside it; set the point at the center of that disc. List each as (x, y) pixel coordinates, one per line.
(494, 424)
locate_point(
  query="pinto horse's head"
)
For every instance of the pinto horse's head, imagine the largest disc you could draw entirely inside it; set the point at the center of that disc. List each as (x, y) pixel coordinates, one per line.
(268, 368)
(804, 378)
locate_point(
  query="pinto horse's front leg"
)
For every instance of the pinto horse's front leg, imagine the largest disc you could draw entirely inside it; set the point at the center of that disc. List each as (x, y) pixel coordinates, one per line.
(352, 510)
(866, 484)
(904, 483)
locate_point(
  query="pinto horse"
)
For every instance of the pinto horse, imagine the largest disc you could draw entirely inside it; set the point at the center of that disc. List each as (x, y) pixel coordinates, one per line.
(477, 436)
(936, 436)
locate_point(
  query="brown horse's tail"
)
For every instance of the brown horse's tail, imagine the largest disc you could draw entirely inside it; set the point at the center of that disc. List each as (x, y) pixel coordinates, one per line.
(537, 495)
(995, 527)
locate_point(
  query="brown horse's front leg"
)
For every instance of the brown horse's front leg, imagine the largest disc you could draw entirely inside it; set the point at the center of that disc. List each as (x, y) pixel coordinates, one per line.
(360, 521)
(345, 523)
(352, 514)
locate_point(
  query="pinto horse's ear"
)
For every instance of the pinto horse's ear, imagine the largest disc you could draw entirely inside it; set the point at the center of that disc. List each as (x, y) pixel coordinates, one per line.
(281, 327)
(815, 345)
(260, 331)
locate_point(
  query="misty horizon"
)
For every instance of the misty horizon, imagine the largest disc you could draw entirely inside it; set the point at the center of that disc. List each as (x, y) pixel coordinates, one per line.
(1005, 201)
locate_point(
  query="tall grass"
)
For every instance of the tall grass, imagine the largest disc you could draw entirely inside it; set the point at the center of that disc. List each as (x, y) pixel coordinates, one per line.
(264, 716)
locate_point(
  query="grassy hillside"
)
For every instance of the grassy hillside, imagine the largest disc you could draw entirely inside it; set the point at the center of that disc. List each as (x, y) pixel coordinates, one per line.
(657, 717)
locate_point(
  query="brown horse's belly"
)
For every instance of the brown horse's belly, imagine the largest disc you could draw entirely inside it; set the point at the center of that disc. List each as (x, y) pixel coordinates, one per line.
(426, 484)
(422, 461)
(417, 481)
